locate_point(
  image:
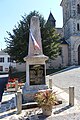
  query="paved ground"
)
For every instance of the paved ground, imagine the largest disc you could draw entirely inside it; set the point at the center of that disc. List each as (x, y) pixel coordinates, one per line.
(61, 83)
(67, 78)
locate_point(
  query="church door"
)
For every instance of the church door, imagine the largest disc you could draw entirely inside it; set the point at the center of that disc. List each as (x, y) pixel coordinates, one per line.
(79, 55)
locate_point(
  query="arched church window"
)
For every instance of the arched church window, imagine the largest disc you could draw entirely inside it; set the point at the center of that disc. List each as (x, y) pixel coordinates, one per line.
(78, 27)
(78, 8)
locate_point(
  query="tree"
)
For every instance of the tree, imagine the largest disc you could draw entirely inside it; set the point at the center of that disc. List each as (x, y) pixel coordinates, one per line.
(51, 43)
(17, 43)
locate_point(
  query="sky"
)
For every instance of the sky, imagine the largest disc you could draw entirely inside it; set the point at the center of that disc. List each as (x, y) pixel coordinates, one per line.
(11, 12)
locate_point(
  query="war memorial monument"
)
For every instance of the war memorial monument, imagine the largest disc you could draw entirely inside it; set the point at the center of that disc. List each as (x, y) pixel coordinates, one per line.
(35, 63)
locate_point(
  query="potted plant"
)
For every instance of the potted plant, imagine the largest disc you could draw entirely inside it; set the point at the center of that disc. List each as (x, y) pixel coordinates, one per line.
(46, 99)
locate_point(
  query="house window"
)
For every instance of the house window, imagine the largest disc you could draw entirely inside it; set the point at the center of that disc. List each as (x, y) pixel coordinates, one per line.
(78, 8)
(10, 59)
(6, 69)
(1, 68)
(1, 59)
(78, 27)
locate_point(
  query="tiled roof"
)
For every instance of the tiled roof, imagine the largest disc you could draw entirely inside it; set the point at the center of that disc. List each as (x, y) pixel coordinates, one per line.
(3, 53)
(63, 41)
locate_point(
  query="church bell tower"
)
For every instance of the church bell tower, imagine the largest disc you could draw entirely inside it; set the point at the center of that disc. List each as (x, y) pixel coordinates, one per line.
(71, 27)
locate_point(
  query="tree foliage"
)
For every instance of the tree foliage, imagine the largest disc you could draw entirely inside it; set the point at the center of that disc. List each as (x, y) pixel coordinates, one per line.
(51, 44)
(17, 43)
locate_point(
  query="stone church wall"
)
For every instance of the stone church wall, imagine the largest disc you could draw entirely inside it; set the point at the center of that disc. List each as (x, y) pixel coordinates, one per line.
(61, 60)
(75, 42)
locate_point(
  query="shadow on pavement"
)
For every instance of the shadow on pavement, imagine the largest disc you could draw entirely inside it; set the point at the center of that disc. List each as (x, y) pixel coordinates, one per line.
(62, 109)
(66, 69)
(9, 114)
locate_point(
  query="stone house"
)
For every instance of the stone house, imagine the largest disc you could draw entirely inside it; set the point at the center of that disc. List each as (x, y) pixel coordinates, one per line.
(5, 62)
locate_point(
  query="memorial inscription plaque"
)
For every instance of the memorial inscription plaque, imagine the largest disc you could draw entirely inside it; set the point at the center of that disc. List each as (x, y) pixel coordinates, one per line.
(37, 74)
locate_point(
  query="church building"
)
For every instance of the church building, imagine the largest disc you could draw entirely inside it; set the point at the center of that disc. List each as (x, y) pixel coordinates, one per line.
(70, 41)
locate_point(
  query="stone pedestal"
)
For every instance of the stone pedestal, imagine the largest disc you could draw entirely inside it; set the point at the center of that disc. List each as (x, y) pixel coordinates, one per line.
(35, 69)
(35, 76)
(30, 91)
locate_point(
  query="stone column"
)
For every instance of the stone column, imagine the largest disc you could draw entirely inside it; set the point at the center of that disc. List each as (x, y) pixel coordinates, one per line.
(50, 83)
(71, 95)
(19, 102)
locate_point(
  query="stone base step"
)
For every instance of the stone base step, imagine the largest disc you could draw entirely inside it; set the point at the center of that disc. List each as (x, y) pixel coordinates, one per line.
(29, 105)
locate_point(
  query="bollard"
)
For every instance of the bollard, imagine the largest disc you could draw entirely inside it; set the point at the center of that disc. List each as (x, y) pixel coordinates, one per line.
(19, 102)
(50, 83)
(16, 85)
(71, 96)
